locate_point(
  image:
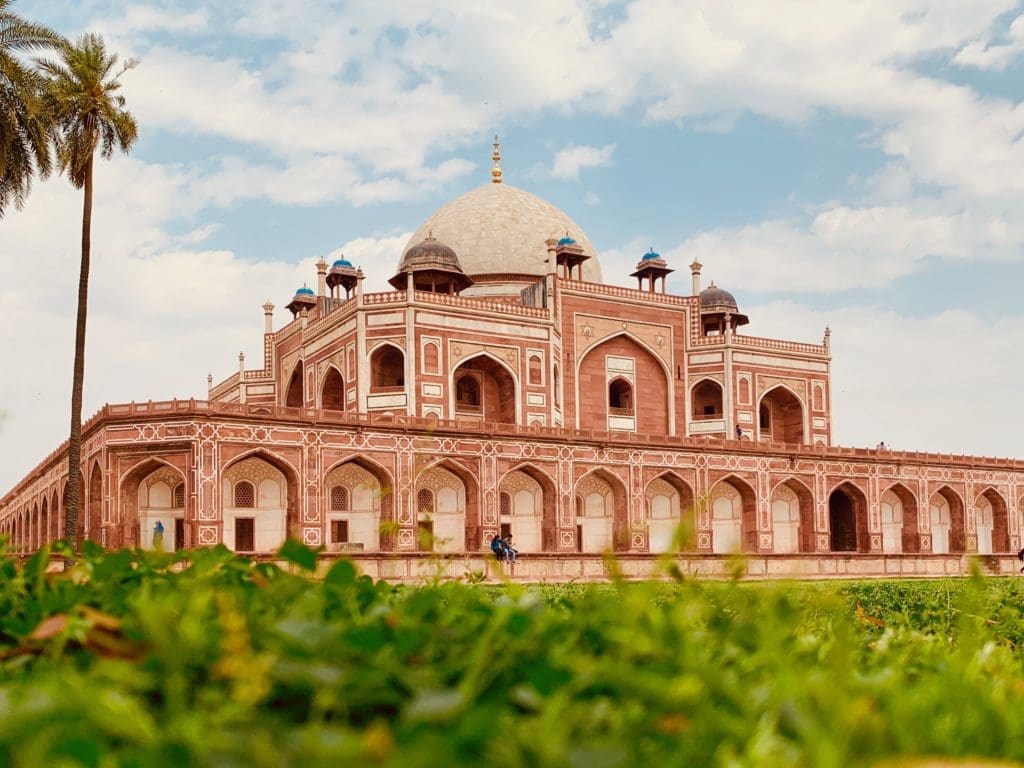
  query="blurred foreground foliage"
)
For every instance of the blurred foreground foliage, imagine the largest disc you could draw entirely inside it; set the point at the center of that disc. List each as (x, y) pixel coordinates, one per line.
(134, 659)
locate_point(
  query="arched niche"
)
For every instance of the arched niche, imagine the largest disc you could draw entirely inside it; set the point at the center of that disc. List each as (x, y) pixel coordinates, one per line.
(848, 519)
(387, 368)
(622, 356)
(899, 513)
(792, 506)
(332, 394)
(991, 523)
(294, 394)
(706, 401)
(442, 498)
(671, 522)
(733, 506)
(781, 416)
(485, 389)
(355, 500)
(273, 516)
(946, 517)
(602, 516)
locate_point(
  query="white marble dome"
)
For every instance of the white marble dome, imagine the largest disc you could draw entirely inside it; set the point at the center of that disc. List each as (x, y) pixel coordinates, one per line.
(499, 229)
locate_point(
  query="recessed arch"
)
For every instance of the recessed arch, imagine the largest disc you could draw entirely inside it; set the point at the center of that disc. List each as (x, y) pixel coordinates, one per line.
(138, 517)
(290, 507)
(733, 515)
(992, 523)
(56, 517)
(94, 510)
(906, 533)
(654, 391)
(387, 367)
(332, 392)
(946, 513)
(620, 397)
(671, 513)
(848, 518)
(792, 505)
(706, 400)
(605, 524)
(781, 414)
(294, 394)
(456, 518)
(44, 521)
(489, 388)
(546, 507)
(370, 503)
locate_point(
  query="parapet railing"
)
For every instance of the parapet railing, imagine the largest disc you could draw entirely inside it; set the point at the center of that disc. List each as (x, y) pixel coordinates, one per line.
(500, 307)
(757, 342)
(387, 421)
(600, 289)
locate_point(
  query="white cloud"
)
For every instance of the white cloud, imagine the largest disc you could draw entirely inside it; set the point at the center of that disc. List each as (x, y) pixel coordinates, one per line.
(996, 56)
(570, 161)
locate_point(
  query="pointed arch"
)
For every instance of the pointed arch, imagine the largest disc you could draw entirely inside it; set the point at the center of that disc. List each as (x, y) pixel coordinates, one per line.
(706, 400)
(294, 394)
(620, 397)
(137, 519)
(666, 513)
(383, 501)
(94, 529)
(56, 517)
(733, 515)
(997, 528)
(797, 524)
(548, 506)
(496, 386)
(387, 367)
(948, 524)
(472, 538)
(910, 532)
(291, 477)
(617, 498)
(44, 522)
(652, 385)
(848, 518)
(781, 415)
(332, 392)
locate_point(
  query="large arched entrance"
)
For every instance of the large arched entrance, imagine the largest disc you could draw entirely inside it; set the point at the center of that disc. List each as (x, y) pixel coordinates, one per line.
(601, 513)
(792, 517)
(526, 509)
(639, 402)
(946, 513)
(94, 530)
(781, 417)
(484, 390)
(733, 517)
(848, 519)
(357, 505)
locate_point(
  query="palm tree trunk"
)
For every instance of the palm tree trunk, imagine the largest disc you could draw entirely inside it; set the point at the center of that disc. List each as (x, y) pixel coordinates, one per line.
(71, 532)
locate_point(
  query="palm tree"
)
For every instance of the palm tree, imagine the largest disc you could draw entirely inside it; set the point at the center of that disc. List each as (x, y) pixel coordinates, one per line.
(24, 142)
(88, 113)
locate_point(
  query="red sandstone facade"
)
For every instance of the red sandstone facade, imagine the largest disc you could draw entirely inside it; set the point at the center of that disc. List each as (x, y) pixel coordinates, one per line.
(518, 392)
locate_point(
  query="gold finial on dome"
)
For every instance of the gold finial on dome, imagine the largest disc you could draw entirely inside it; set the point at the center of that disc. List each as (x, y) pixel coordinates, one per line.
(496, 171)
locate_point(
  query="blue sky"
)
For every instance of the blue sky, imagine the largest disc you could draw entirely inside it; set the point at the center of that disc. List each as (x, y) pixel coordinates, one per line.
(851, 163)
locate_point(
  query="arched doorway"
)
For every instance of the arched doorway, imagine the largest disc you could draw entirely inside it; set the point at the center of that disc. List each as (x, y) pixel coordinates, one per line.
(160, 501)
(44, 522)
(898, 508)
(792, 517)
(355, 503)
(485, 390)
(671, 523)
(848, 519)
(991, 523)
(601, 513)
(332, 395)
(706, 401)
(946, 512)
(259, 504)
(441, 501)
(295, 397)
(733, 517)
(781, 417)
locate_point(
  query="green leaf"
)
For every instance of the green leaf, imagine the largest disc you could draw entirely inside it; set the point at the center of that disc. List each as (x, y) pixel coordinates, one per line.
(298, 554)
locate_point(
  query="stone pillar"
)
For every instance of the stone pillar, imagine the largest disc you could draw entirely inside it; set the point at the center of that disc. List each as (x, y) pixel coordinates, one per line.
(695, 276)
(268, 317)
(241, 377)
(727, 386)
(321, 278)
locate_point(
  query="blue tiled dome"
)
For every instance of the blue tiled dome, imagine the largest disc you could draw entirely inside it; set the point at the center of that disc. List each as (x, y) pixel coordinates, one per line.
(651, 256)
(342, 263)
(304, 291)
(567, 241)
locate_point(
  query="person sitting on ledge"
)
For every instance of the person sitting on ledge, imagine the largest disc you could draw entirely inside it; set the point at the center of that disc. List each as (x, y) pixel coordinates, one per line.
(510, 551)
(498, 547)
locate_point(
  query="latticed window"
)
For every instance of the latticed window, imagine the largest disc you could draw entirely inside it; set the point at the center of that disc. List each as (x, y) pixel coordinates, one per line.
(245, 495)
(424, 501)
(339, 498)
(178, 497)
(505, 504)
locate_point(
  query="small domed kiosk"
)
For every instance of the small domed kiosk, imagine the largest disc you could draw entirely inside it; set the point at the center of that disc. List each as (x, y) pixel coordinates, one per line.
(434, 268)
(718, 311)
